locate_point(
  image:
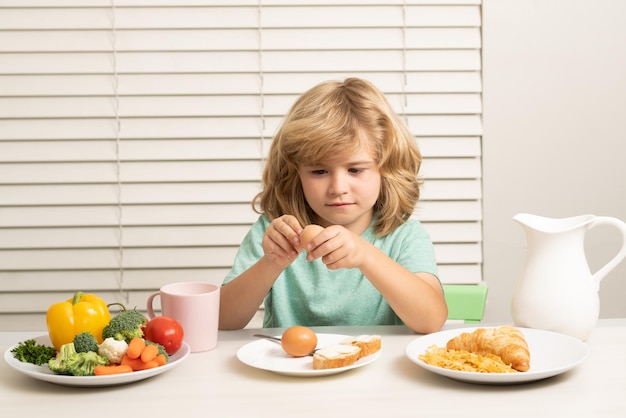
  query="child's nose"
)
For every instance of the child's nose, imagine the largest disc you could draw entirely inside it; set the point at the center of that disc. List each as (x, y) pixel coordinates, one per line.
(338, 184)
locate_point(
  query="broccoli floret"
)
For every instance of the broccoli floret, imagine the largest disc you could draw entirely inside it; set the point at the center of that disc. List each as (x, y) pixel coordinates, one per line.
(125, 326)
(84, 364)
(161, 350)
(30, 352)
(69, 362)
(85, 342)
(58, 364)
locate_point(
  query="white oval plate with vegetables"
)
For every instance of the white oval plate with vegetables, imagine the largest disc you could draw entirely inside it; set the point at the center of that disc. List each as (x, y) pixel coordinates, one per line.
(43, 373)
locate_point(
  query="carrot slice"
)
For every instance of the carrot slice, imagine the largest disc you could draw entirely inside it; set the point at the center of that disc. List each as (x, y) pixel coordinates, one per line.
(161, 359)
(135, 347)
(149, 353)
(101, 370)
(136, 363)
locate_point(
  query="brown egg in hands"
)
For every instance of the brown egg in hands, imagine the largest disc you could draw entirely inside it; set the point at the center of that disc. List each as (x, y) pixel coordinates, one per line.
(298, 341)
(308, 233)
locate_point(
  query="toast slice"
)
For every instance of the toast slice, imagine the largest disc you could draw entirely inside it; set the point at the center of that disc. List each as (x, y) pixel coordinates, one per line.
(369, 344)
(335, 355)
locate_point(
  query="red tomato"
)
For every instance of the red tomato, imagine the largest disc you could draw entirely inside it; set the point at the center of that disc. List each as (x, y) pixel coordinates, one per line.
(166, 331)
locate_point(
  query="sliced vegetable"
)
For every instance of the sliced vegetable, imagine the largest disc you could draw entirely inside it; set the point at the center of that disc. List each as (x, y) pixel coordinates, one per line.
(149, 353)
(144, 355)
(161, 359)
(135, 348)
(137, 364)
(161, 350)
(112, 369)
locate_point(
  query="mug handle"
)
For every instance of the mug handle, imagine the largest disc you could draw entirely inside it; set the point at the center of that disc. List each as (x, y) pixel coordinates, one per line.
(149, 304)
(621, 226)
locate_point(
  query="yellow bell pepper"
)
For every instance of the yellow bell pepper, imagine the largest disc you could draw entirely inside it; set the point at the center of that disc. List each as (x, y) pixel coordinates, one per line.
(83, 312)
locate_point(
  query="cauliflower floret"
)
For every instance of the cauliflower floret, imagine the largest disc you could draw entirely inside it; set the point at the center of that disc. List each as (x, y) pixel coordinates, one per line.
(113, 349)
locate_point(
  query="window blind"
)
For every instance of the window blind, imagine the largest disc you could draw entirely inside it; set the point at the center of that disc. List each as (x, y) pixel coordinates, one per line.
(133, 132)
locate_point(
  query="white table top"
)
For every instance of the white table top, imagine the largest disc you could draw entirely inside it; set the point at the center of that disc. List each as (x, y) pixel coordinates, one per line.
(217, 384)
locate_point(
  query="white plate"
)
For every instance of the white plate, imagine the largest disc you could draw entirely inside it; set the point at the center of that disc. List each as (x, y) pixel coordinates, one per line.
(44, 373)
(550, 354)
(269, 355)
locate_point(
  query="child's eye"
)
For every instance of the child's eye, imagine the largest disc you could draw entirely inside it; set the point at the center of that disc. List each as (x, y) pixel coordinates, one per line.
(318, 172)
(355, 170)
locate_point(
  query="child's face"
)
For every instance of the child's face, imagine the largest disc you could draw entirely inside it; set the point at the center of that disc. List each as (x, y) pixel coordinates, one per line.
(343, 191)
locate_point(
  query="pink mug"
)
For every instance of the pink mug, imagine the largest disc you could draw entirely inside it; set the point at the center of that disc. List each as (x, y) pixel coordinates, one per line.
(196, 306)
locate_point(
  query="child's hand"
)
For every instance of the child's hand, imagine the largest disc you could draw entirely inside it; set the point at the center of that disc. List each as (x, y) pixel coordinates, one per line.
(281, 242)
(338, 248)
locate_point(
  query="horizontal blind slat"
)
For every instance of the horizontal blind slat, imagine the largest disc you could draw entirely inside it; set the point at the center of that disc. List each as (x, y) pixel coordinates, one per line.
(239, 40)
(70, 280)
(55, 259)
(178, 236)
(132, 194)
(182, 149)
(222, 84)
(48, 178)
(195, 214)
(215, 127)
(171, 258)
(208, 106)
(132, 150)
(155, 214)
(237, 61)
(238, 17)
(448, 211)
(231, 3)
(157, 236)
(132, 172)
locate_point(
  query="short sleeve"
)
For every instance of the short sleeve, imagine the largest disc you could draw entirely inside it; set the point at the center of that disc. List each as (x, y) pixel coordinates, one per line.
(250, 250)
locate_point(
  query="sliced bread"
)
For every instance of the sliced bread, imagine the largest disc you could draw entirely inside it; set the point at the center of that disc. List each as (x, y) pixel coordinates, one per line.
(335, 355)
(369, 344)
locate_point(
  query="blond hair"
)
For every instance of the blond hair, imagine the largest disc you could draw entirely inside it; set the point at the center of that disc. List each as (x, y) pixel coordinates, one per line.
(330, 120)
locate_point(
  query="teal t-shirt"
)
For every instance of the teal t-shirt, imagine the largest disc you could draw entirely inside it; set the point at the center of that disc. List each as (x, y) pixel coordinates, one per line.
(307, 293)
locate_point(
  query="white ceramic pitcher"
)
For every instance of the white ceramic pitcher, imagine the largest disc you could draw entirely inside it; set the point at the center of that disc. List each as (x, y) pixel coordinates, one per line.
(556, 290)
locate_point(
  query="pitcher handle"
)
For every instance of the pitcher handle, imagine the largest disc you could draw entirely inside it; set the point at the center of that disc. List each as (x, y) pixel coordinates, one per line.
(621, 226)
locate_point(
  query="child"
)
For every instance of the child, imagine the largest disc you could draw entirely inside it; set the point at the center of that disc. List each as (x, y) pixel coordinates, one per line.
(344, 160)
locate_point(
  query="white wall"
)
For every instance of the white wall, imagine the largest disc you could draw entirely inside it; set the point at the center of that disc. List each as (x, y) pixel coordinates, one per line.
(554, 132)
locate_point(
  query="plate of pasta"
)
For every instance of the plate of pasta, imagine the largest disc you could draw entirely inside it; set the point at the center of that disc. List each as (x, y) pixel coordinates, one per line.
(551, 354)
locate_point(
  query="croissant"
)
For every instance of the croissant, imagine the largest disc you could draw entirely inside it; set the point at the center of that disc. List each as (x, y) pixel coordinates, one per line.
(507, 342)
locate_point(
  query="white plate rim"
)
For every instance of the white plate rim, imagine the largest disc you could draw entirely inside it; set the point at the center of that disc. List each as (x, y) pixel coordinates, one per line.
(44, 374)
(260, 353)
(540, 342)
